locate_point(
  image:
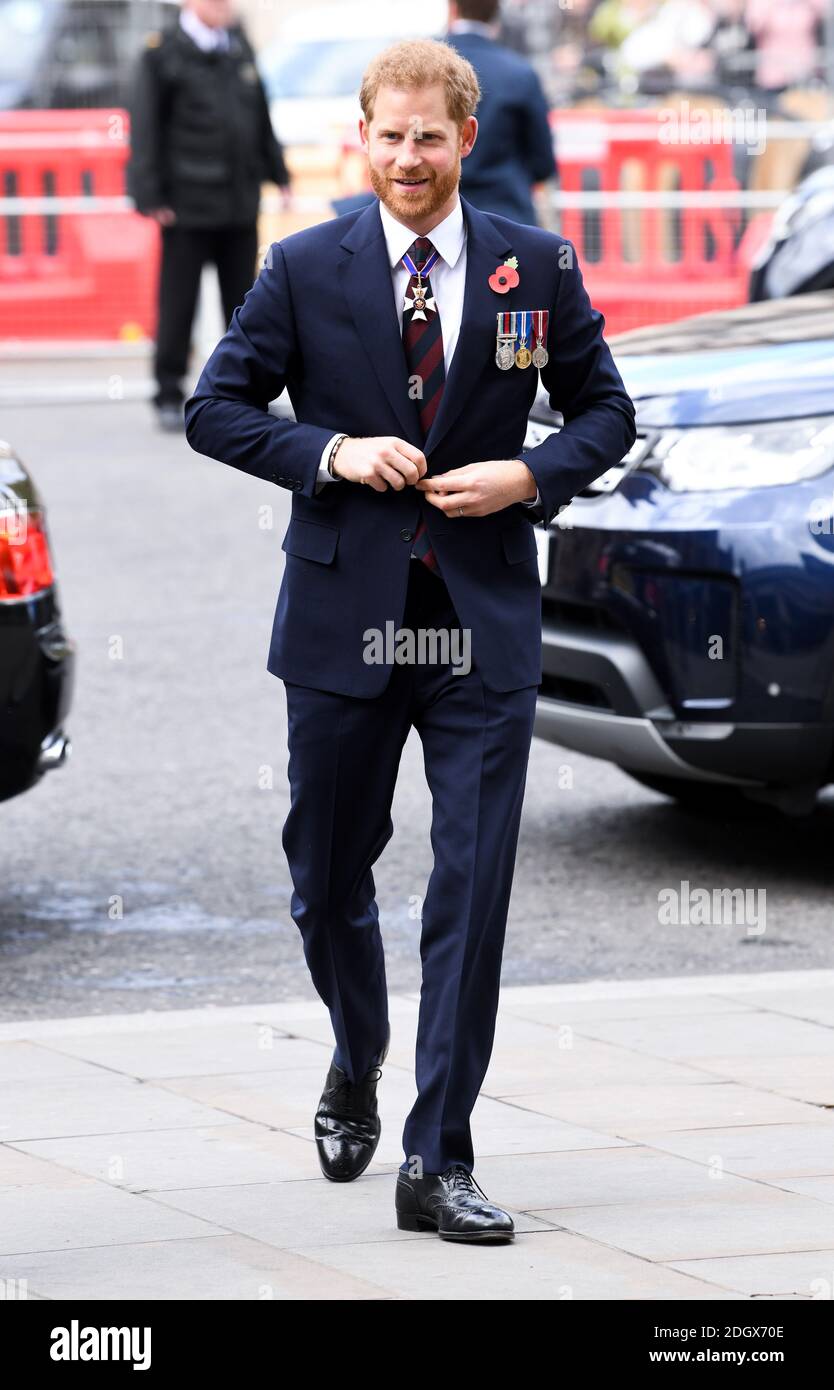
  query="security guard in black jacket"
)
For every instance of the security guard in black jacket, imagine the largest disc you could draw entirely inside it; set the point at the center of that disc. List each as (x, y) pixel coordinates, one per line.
(201, 145)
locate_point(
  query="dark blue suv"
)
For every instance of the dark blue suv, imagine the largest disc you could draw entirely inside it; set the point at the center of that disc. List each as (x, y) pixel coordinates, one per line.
(688, 595)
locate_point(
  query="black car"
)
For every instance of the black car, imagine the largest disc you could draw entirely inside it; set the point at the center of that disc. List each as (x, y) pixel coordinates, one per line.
(36, 657)
(688, 593)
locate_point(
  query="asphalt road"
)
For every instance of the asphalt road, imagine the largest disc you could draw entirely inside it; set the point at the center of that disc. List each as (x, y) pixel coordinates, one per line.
(148, 872)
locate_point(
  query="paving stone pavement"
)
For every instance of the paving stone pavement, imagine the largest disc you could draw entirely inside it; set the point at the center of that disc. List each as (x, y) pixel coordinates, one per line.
(653, 1139)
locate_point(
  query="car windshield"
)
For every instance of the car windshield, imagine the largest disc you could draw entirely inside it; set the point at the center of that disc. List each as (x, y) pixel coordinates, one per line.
(24, 25)
(326, 68)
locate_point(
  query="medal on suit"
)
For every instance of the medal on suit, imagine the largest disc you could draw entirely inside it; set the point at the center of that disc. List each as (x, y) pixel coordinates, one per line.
(540, 354)
(505, 340)
(422, 300)
(523, 356)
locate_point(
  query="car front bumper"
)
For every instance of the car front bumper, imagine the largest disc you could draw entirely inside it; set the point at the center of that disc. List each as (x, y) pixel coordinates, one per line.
(638, 587)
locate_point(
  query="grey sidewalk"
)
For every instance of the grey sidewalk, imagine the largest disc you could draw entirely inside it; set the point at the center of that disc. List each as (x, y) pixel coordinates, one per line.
(658, 1139)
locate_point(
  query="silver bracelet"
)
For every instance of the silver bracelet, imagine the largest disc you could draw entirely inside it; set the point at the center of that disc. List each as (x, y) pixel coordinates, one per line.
(333, 452)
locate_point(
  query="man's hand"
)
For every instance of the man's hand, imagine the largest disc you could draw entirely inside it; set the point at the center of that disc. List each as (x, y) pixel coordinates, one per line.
(381, 461)
(479, 488)
(166, 217)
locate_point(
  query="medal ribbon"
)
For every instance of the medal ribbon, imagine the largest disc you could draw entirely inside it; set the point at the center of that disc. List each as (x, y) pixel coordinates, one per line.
(425, 268)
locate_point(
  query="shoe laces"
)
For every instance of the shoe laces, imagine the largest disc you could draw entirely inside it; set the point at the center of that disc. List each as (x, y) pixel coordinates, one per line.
(352, 1096)
(458, 1176)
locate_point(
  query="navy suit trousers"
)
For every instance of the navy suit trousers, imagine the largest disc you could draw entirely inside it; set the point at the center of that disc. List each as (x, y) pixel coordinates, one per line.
(344, 755)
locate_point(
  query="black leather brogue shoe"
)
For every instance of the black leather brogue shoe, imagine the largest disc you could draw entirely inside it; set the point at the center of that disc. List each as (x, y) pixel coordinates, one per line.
(452, 1204)
(347, 1124)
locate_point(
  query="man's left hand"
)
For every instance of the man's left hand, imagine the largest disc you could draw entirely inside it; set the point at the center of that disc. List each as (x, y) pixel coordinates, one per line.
(480, 488)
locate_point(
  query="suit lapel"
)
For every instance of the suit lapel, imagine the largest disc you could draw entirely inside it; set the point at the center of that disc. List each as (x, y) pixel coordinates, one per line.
(365, 278)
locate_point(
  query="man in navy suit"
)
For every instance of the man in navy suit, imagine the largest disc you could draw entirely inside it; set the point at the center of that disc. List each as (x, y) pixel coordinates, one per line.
(413, 511)
(515, 141)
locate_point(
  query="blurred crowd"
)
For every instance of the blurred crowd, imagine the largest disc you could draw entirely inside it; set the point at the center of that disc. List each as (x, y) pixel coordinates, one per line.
(591, 47)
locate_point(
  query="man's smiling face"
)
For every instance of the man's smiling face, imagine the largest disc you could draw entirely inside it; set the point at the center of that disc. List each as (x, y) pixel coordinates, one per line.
(414, 154)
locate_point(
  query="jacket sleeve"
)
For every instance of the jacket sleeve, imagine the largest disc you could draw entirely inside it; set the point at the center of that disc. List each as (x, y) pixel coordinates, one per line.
(144, 184)
(584, 385)
(272, 151)
(539, 154)
(227, 417)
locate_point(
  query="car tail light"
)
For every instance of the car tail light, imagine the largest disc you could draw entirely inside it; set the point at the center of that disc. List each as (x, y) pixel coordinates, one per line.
(25, 562)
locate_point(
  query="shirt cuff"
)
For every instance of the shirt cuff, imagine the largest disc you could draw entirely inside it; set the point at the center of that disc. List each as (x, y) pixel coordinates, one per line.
(323, 476)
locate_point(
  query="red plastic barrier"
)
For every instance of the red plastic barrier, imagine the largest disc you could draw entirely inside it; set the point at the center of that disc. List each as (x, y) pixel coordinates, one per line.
(649, 265)
(72, 275)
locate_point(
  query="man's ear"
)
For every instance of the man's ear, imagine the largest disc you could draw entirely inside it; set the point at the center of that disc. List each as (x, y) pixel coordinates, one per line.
(468, 136)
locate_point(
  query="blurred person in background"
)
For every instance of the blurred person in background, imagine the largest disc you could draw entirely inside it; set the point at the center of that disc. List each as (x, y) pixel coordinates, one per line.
(202, 144)
(512, 26)
(577, 57)
(657, 42)
(787, 36)
(667, 43)
(731, 44)
(514, 149)
(613, 21)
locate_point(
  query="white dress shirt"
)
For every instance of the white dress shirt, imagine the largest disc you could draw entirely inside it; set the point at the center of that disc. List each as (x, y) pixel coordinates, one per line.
(448, 281)
(475, 26)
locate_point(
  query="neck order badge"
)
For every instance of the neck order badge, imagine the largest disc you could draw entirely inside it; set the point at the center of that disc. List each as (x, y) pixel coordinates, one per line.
(422, 300)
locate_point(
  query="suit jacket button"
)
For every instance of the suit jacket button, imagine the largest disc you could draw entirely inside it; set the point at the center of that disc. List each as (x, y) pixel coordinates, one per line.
(406, 535)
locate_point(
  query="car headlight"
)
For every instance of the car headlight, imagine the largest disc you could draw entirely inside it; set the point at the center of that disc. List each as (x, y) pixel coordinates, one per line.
(744, 456)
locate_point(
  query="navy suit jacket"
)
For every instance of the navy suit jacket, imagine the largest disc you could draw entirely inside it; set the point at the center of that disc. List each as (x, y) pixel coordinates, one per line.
(321, 321)
(514, 148)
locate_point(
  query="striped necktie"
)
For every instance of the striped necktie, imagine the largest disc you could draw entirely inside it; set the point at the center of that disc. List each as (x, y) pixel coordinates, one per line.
(423, 343)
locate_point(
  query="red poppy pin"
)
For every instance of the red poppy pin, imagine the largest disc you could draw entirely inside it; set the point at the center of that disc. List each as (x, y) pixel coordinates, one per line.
(505, 277)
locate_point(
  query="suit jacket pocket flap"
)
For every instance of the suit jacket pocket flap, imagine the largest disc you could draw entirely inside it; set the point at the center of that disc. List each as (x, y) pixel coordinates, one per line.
(519, 543)
(311, 540)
